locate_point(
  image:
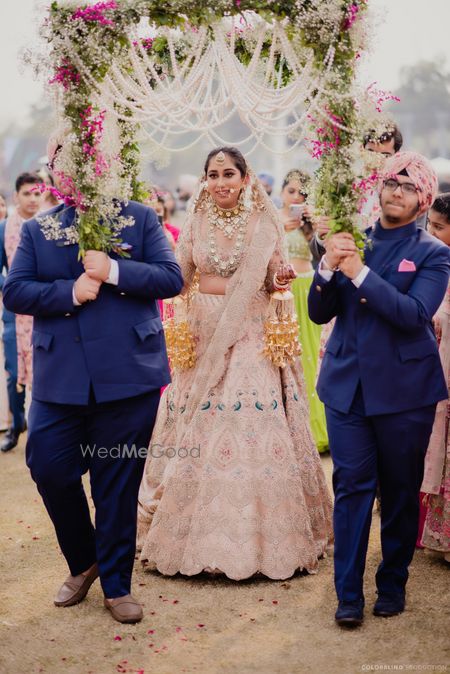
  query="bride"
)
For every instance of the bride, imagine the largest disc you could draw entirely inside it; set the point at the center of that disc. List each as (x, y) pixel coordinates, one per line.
(233, 481)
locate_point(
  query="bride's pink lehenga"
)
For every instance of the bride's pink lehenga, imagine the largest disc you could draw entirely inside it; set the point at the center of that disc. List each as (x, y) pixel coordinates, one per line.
(250, 496)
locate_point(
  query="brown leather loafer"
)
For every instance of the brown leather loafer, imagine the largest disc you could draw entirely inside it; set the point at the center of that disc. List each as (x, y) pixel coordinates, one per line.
(125, 609)
(75, 588)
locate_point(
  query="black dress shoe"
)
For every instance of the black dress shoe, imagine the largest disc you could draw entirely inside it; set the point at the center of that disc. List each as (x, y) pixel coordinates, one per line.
(10, 440)
(350, 613)
(388, 605)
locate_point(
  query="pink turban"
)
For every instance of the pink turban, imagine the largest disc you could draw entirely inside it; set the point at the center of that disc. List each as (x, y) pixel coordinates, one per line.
(419, 170)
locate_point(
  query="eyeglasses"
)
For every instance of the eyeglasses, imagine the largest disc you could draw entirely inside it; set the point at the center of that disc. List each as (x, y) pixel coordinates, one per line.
(406, 188)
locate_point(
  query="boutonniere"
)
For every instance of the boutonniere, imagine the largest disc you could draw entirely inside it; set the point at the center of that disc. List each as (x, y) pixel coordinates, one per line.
(54, 230)
(122, 249)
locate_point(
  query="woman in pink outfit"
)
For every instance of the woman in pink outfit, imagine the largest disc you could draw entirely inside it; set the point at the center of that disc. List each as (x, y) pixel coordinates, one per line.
(436, 483)
(172, 233)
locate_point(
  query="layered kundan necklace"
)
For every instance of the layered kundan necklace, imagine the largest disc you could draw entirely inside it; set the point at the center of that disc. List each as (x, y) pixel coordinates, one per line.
(232, 222)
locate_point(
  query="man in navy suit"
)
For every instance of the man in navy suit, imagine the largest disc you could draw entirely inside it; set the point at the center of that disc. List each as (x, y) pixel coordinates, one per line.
(99, 361)
(380, 381)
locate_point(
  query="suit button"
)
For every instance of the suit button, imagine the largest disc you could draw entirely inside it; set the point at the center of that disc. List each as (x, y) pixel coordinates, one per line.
(363, 300)
(122, 293)
(319, 289)
(77, 339)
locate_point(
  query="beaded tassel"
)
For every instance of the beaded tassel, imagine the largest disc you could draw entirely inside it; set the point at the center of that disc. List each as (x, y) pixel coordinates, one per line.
(282, 345)
(179, 340)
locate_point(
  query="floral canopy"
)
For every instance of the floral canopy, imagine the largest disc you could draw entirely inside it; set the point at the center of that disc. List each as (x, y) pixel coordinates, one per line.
(133, 69)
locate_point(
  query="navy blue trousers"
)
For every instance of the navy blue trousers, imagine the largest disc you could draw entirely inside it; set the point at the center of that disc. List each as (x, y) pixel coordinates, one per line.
(389, 449)
(16, 400)
(66, 441)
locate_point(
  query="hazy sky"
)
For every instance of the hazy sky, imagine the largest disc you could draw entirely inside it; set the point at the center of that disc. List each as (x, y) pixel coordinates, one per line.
(406, 31)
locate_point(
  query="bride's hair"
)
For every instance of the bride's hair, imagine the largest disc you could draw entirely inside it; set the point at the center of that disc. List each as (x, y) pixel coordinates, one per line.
(235, 155)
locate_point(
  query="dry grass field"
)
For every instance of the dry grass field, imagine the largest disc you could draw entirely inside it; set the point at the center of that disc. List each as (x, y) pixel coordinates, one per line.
(200, 625)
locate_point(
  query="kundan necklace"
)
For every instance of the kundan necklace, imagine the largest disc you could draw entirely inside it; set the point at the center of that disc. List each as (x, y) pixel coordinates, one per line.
(231, 222)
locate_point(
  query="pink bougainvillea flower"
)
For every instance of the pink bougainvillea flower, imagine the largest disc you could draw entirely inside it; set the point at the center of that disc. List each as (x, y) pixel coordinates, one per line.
(96, 13)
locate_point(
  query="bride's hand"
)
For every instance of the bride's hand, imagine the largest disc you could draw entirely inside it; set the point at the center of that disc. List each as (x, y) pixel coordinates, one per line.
(285, 274)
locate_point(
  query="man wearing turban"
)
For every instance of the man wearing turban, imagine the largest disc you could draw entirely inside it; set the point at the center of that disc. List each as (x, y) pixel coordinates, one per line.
(380, 380)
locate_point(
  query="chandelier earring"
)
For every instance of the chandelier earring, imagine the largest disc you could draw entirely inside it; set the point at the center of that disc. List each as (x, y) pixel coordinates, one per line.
(204, 197)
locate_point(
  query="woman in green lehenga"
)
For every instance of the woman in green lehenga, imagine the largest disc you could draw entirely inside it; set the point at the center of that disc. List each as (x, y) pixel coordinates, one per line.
(298, 230)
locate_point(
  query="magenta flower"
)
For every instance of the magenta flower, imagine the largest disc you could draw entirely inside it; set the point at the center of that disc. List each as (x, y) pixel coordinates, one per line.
(66, 75)
(350, 19)
(96, 13)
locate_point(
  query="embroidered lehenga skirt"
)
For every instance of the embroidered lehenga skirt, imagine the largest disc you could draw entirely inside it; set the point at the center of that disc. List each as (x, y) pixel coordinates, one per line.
(240, 489)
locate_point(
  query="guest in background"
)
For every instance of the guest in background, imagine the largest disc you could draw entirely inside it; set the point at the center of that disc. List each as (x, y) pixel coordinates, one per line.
(4, 404)
(436, 483)
(3, 208)
(187, 185)
(294, 216)
(17, 329)
(268, 181)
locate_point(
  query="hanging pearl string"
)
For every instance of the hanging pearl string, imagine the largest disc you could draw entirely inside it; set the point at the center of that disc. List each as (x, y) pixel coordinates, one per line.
(201, 94)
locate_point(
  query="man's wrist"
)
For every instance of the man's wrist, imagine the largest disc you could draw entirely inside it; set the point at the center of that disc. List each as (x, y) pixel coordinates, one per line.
(327, 266)
(75, 301)
(113, 276)
(361, 276)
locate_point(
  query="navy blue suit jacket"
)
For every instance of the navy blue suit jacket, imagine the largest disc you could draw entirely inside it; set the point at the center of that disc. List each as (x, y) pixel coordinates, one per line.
(114, 344)
(383, 336)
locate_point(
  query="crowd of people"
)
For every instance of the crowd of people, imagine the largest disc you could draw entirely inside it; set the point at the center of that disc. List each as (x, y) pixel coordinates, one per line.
(231, 481)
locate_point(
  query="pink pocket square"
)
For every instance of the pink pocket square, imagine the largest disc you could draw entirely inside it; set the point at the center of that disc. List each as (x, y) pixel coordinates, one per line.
(406, 265)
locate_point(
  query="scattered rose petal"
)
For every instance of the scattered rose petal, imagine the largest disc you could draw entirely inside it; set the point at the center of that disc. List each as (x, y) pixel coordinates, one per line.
(200, 625)
(274, 601)
(178, 629)
(175, 601)
(35, 538)
(260, 599)
(117, 638)
(151, 632)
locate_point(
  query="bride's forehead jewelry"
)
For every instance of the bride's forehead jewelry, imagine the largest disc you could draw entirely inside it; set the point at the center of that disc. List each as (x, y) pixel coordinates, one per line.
(220, 157)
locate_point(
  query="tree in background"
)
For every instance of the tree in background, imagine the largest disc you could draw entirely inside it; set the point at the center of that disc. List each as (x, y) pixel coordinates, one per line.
(424, 108)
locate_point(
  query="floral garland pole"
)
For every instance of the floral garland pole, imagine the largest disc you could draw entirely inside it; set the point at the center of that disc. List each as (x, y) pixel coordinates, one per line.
(99, 161)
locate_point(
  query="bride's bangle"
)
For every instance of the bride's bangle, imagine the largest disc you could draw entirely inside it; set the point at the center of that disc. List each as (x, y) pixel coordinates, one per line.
(280, 285)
